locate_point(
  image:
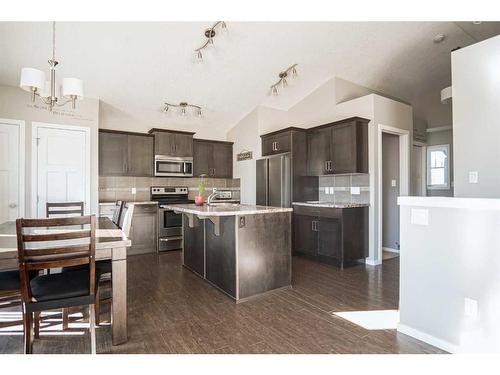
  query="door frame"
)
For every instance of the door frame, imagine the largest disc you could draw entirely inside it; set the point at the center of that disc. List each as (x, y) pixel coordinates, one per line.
(22, 162)
(404, 179)
(423, 166)
(34, 162)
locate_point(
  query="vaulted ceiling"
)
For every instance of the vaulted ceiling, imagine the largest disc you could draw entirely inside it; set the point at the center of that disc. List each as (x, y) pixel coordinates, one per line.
(135, 67)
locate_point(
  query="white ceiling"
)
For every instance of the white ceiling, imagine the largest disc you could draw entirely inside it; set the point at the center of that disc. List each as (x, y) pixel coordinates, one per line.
(134, 67)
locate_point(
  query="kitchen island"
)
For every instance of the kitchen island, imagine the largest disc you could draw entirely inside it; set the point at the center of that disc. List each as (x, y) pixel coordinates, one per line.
(242, 250)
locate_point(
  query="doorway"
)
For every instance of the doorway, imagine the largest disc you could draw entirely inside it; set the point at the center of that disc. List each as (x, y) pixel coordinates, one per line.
(390, 193)
(11, 169)
(418, 170)
(61, 165)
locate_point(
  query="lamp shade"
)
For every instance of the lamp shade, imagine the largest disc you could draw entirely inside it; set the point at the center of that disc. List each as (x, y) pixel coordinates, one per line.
(32, 78)
(72, 86)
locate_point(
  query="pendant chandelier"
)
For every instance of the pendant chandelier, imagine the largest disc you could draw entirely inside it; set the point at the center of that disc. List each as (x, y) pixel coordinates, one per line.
(183, 106)
(283, 78)
(33, 81)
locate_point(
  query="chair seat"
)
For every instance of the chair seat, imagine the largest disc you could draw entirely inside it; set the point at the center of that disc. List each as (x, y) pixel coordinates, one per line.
(60, 285)
(9, 280)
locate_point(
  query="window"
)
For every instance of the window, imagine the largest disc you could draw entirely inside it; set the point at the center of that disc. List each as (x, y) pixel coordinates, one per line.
(438, 172)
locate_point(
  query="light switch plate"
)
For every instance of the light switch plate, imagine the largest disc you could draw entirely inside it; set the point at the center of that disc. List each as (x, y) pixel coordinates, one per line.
(326, 190)
(471, 308)
(419, 216)
(331, 189)
(134, 191)
(355, 190)
(473, 177)
(393, 183)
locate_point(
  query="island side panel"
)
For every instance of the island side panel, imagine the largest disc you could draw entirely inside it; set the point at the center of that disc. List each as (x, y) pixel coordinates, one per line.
(221, 255)
(194, 245)
(264, 253)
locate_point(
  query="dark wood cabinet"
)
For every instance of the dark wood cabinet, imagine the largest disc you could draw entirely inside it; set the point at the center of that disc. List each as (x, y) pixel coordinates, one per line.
(340, 147)
(144, 230)
(331, 235)
(213, 158)
(277, 142)
(194, 245)
(125, 154)
(172, 143)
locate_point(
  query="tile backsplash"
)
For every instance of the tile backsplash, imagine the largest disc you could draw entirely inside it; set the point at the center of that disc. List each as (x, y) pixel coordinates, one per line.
(113, 188)
(345, 188)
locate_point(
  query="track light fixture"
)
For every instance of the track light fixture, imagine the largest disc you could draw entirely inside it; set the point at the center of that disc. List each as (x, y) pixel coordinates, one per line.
(210, 34)
(183, 106)
(283, 78)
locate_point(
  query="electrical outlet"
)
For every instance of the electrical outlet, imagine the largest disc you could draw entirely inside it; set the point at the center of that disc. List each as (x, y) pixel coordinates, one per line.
(471, 308)
(326, 190)
(473, 177)
(134, 191)
(242, 221)
(331, 190)
(393, 183)
(355, 190)
(419, 216)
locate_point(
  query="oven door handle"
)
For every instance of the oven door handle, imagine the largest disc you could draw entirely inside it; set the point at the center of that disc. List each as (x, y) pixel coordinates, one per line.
(171, 239)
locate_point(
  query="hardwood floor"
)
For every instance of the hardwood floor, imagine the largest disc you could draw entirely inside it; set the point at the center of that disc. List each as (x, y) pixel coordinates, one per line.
(171, 310)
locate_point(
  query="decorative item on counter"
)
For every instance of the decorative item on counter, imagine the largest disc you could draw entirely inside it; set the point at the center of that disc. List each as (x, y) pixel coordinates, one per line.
(199, 200)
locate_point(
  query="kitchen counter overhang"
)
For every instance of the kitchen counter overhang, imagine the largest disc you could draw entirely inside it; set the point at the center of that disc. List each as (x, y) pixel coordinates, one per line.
(242, 250)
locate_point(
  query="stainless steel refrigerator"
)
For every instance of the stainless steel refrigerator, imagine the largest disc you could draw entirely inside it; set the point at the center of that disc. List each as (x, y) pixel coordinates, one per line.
(274, 181)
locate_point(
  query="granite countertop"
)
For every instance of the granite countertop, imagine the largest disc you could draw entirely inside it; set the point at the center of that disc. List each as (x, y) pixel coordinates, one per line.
(129, 202)
(330, 204)
(226, 209)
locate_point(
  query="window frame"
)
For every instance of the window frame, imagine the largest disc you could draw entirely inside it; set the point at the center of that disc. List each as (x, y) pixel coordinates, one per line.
(446, 148)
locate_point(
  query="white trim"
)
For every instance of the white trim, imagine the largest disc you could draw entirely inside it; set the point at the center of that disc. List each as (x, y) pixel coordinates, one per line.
(446, 167)
(419, 144)
(429, 339)
(404, 175)
(34, 162)
(452, 202)
(390, 250)
(372, 262)
(22, 162)
(439, 129)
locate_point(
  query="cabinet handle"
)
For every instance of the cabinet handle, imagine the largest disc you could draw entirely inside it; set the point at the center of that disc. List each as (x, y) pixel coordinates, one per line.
(326, 166)
(277, 146)
(312, 225)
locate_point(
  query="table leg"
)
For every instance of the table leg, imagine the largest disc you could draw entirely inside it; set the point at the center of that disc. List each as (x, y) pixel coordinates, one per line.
(119, 300)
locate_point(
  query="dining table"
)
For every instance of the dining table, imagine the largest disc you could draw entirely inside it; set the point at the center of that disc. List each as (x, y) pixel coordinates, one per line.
(110, 243)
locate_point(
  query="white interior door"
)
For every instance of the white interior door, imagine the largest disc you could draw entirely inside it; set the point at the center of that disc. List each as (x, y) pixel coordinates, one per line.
(63, 160)
(10, 199)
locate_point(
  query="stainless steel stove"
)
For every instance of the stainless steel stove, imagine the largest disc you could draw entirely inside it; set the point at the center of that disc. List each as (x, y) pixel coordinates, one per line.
(169, 223)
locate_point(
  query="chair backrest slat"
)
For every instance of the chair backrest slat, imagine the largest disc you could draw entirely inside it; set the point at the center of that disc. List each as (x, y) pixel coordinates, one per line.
(72, 208)
(57, 245)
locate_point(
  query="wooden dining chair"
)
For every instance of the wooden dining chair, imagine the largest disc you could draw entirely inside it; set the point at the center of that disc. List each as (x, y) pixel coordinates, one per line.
(10, 293)
(64, 209)
(105, 281)
(51, 243)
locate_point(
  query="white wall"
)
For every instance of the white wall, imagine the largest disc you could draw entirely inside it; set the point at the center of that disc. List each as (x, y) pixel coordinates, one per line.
(476, 118)
(16, 104)
(452, 258)
(246, 138)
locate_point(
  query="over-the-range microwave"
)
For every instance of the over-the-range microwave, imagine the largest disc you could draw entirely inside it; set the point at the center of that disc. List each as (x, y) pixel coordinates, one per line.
(171, 166)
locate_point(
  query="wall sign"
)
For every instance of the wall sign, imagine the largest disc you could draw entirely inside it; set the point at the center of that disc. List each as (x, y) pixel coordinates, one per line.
(244, 155)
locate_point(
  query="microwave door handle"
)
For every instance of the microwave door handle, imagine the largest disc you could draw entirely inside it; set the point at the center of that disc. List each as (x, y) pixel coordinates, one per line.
(184, 167)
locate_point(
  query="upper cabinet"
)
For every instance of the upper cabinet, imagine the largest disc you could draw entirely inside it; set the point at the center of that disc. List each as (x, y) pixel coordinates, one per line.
(277, 142)
(213, 158)
(125, 154)
(340, 147)
(172, 143)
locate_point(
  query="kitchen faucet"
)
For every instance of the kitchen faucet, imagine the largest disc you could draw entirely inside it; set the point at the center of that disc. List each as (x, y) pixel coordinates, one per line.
(211, 197)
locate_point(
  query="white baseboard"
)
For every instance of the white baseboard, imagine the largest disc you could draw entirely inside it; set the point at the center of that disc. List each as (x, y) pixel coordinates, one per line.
(429, 339)
(372, 262)
(391, 250)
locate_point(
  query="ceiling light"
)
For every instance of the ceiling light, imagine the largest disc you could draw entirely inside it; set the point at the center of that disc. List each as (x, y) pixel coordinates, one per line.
(183, 106)
(33, 80)
(439, 38)
(283, 78)
(210, 35)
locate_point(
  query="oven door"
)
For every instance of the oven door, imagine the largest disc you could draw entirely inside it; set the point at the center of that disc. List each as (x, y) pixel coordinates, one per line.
(170, 223)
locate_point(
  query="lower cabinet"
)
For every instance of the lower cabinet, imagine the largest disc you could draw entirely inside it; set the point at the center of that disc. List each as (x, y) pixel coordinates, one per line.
(194, 245)
(144, 230)
(331, 235)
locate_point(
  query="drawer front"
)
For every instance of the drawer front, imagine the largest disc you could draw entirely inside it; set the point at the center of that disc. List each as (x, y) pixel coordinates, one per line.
(145, 209)
(334, 213)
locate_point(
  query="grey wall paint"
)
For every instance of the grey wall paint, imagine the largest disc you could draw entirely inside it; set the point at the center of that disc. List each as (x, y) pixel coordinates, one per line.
(476, 118)
(442, 138)
(390, 209)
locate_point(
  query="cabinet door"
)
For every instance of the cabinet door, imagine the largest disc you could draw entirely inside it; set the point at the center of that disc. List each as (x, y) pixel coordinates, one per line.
(283, 142)
(143, 233)
(112, 154)
(183, 145)
(164, 144)
(267, 146)
(140, 155)
(318, 151)
(305, 238)
(330, 238)
(202, 158)
(194, 245)
(222, 166)
(343, 151)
